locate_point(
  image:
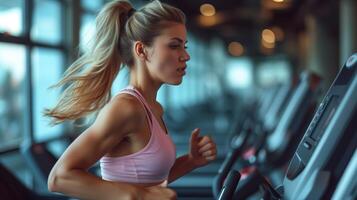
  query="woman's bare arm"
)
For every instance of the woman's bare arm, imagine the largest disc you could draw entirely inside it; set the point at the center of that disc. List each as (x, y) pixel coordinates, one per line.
(182, 166)
(202, 151)
(69, 175)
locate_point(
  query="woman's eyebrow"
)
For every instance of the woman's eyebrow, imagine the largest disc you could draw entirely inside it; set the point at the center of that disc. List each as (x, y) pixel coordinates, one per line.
(178, 39)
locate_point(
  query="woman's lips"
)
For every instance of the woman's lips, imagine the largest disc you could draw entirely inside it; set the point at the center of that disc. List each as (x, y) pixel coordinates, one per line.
(181, 71)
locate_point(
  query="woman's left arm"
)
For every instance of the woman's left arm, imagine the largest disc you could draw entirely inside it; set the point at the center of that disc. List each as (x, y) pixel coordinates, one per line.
(202, 151)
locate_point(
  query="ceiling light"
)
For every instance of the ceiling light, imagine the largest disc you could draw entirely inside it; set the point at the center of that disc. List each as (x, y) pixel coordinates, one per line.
(209, 21)
(268, 45)
(235, 48)
(207, 10)
(268, 36)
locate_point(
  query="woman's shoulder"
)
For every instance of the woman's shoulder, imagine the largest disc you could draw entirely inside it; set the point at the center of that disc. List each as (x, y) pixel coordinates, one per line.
(122, 110)
(125, 104)
(119, 117)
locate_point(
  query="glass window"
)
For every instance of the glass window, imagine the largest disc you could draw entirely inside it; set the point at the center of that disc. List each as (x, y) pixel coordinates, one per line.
(47, 70)
(91, 5)
(47, 22)
(121, 81)
(87, 30)
(273, 71)
(239, 73)
(11, 16)
(12, 94)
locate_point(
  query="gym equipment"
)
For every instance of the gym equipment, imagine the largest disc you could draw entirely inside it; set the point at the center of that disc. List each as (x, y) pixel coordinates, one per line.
(41, 160)
(298, 107)
(347, 186)
(12, 188)
(329, 141)
(325, 157)
(229, 185)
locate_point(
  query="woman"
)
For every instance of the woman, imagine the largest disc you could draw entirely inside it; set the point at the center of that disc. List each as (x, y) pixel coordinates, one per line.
(137, 156)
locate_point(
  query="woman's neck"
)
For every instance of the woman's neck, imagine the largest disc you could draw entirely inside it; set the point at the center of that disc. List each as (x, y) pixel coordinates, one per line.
(146, 86)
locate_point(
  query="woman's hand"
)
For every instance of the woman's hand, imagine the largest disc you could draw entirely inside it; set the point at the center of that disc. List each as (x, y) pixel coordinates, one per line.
(202, 149)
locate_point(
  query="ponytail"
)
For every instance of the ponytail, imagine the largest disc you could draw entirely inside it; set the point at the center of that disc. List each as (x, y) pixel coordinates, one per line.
(91, 76)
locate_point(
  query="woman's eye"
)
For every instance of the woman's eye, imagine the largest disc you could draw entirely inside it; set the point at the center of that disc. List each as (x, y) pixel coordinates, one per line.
(177, 46)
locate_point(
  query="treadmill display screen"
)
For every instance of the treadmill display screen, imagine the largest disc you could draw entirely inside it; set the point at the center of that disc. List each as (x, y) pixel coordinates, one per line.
(327, 115)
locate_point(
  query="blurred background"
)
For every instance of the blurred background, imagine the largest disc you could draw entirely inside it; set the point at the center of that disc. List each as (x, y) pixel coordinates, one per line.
(238, 49)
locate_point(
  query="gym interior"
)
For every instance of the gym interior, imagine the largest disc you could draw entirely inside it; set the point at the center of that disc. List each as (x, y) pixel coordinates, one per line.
(272, 82)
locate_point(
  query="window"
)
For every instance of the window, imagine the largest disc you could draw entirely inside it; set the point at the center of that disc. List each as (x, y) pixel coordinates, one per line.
(47, 70)
(240, 73)
(12, 94)
(274, 71)
(47, 22)
(90, 9)
(90, 5)
(31, 59)
(87, 31)
(11, 9)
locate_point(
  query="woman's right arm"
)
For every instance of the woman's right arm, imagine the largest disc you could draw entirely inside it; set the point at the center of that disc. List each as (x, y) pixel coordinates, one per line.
(69, 175)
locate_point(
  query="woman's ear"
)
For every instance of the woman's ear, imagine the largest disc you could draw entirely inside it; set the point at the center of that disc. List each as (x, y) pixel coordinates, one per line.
(140, 51)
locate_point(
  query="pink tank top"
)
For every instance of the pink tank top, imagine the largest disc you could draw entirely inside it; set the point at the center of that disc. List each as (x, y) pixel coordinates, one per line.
(151, 164)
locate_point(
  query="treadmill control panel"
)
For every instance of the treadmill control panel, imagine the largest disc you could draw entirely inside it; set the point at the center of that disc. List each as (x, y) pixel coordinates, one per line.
(322, 118)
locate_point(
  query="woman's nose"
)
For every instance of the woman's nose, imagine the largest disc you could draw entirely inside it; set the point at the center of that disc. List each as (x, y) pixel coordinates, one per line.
(186, 56)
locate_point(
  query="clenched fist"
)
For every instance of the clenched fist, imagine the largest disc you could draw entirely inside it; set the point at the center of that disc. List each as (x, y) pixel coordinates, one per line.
(202, 149)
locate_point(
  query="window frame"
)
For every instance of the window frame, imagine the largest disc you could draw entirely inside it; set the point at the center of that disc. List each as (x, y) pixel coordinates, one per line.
(29, 44)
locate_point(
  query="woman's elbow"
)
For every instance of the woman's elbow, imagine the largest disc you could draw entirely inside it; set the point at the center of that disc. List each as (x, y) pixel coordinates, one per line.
(51, 184)
(53, 181)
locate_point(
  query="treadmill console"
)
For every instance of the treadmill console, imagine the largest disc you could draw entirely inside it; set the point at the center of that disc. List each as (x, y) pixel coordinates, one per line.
(322, 117)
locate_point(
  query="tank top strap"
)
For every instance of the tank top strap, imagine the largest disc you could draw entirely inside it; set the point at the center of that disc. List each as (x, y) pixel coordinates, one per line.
(132, 91)
(141, 98)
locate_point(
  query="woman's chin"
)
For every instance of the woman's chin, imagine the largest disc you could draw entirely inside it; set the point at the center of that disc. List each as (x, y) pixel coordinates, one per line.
(175, 82)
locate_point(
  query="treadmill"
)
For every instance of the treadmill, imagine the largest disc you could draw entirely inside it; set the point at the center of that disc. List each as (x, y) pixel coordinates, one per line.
(347, 186)
(328, 143)
(324, 164)
(253, 157)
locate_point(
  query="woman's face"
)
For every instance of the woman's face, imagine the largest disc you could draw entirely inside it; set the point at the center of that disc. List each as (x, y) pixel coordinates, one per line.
(167, 56)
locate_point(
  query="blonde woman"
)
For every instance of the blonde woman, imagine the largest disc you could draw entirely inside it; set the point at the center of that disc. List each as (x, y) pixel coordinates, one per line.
(129, 138)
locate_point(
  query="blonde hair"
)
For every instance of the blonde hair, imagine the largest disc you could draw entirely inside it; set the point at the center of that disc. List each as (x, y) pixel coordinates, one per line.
(91, 76)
